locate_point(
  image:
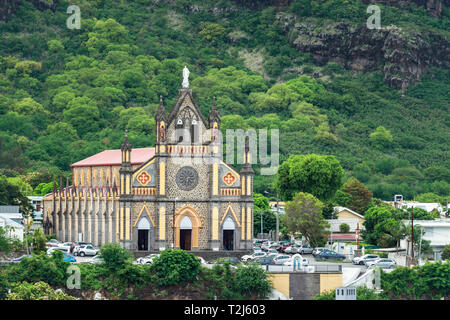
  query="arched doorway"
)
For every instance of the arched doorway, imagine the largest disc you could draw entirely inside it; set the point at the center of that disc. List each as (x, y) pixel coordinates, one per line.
(185, 233)
(191, 227)
(228, 234)
(143, 234)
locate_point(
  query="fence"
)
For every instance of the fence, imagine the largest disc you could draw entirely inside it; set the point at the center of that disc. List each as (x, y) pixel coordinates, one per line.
(308, 269)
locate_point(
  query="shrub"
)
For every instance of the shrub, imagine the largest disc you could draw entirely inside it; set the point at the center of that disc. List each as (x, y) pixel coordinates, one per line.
(344, 228)
(175, 266)
(252, 280)
(37, 291)
(51, 270)
(114, 256)
(446, 252)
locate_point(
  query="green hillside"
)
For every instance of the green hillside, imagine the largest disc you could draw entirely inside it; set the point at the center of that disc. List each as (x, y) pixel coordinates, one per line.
(67, 94)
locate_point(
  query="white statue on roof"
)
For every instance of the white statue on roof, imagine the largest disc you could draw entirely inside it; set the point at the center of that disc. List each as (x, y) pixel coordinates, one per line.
(185, 83)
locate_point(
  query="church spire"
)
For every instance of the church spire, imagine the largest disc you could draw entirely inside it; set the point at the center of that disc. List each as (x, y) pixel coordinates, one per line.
(126, 146)
(161, 112)
(214, 116)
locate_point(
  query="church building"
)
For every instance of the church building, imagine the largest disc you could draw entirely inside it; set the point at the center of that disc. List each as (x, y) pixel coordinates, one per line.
(179, 194)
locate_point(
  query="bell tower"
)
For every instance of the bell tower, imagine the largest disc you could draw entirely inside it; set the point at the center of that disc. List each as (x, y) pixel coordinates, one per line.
(125, 193)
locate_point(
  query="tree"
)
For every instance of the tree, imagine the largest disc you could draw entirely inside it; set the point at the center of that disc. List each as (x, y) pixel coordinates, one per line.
(319, 175)
(175, 266)
(304, 215)
(446, 252)
(11, 195)
(114, 256)
(381, 137)
(261, 205)
(360, 195)
(344, 228)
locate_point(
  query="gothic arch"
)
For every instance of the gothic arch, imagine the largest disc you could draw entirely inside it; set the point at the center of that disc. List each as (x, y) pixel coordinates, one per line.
(194, 216)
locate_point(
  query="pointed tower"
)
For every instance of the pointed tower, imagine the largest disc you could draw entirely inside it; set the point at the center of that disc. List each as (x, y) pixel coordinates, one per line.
(161, 128)
(247, 170)
(125, 170)
(214, 122)
(125, 192)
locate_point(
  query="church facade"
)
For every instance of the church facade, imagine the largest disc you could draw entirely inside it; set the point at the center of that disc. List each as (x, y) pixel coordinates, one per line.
(179, 194)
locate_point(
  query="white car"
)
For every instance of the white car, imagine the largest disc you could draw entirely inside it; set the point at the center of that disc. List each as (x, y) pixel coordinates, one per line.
(383, 263)
(291, 249)
(297, 257)
(365, 258)
(87, 250)
(281, 259)
(96, 259)
(66, 245)
(255, 255)
(52, 243)
(257, 249)
(51, 249)
(147, 259)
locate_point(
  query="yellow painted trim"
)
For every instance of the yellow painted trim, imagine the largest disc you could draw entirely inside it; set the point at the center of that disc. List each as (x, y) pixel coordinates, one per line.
(162, 178)
(215, 223)
(243, 223)
(215, 179)
(144, 207)
(196, 224)
(249, 185)
(121, 224)
(128, 185)
(127, 223)
(229, 207)
(162, 223)
(249, 225)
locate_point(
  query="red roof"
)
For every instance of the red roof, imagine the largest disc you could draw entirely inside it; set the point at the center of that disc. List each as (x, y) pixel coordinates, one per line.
(343, 236)
(114, 158)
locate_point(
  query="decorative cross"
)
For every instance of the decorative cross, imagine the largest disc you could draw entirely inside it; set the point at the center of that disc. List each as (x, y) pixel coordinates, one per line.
(144, 178)
(229, 179)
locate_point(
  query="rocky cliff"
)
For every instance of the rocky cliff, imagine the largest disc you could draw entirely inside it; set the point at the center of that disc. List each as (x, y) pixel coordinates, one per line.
(402, 56)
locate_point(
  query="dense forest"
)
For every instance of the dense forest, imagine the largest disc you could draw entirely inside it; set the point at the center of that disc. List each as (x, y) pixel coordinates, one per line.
(66, 94)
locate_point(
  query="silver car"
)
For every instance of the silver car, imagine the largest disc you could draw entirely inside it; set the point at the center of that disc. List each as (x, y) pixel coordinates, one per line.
(304, 249)
(382, 263)
(365, 259)
(281, 259)
(87, 250)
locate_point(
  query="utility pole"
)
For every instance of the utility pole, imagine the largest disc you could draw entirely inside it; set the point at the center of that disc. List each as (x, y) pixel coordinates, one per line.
(412, 236)
(420, 245)
(277, 238)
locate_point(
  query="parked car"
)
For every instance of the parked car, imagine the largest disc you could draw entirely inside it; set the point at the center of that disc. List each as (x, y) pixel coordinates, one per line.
(317, 251)
(253, 256)
(52, 243)
(265, 246)
(284, 246)
(365, 258)
(69, 258)
(66, 245)
(330, 255)
(50, 250)
(21, 257)
(291, 249)
(281, 258)
(272, 251)
(382, 263)
(255, 249)
(96, 259)
(297, 257)
(87, 250)
(78, 245)
(304, 249)
(264, 261)
(147, 259)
